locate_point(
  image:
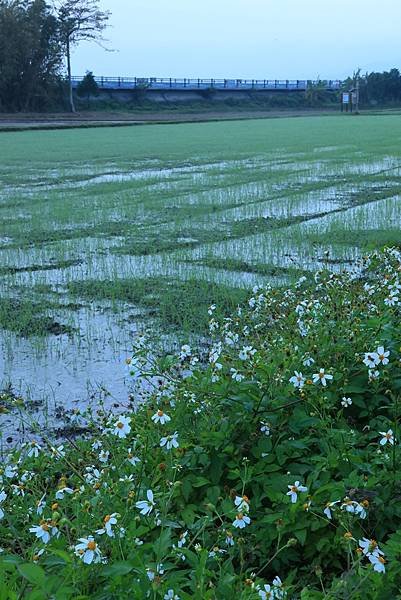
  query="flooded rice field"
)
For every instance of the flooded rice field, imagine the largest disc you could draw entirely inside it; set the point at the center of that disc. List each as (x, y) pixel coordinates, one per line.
(104, 233)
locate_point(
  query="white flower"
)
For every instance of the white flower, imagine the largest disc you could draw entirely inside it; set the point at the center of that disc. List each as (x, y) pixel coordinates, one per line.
(308, 361)
(183, 538)
(247, 352)
(378, 563)
(373, 374)
(354, 508)
(170, 441)
(34, 449)
(108, 523)
(265, 427)
(44, 531)
(369, 547)
(236, 376)
(327, 510)
(382, 355)
(146, 506)
(266, 592)
(346, 402)
(63, 490)
(387, 437)
(322, 377)
(161, 417)
(88, 550)
(171, 596)
(391, 300)
(241, 521)
(134, 460)
(242, 503)
(185, 352)
(10, 471)
(371, 359)
(104, 455)
(294, 491)
(37, 555)
(3, 496)
(122, 427)
(211, 309)
(297, 380)
(58, 452)
(229, 538)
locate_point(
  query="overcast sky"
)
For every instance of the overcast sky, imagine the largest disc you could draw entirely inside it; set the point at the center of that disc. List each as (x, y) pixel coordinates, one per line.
(257, 39)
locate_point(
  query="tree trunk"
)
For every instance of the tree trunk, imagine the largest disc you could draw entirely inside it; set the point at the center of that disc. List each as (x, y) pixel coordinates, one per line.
(71, 97)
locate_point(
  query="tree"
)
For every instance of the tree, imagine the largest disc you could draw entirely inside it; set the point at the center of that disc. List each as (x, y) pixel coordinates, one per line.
(79, 20)
(88, 87)
(30, 54)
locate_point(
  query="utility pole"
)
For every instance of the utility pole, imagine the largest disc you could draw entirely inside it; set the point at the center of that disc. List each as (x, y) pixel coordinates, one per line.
(357, 94)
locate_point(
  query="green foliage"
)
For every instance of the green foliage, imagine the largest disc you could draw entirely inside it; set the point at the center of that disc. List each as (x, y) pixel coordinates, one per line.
(88, 87)
(30, 56)
(243, 431)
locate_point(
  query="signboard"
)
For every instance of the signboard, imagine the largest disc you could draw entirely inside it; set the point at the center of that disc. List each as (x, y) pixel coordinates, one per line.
(346, 98)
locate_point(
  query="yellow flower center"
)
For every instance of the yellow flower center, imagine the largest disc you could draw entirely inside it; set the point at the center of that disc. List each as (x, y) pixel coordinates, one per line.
(240, 516)
(91, 545)
(45, 527)
(106, 519)
(160, 413)
(120, 425)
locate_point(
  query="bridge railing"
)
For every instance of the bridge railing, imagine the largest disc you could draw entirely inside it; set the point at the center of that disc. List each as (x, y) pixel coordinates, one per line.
(199, 84)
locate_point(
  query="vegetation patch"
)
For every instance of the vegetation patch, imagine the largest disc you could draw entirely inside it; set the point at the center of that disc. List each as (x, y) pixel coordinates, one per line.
(27, 319)
(178, 304)
(269, 467)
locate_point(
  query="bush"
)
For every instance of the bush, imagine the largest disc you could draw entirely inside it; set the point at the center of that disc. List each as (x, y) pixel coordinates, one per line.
(266, 468)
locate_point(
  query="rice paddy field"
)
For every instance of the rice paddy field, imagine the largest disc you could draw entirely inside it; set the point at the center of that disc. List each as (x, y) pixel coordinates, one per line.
(105, 232)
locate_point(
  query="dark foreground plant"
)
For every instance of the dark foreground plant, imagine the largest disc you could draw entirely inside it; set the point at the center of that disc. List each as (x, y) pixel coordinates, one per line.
(269, 468)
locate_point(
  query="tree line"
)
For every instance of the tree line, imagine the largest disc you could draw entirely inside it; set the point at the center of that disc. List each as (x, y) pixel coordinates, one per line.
(377, 88)
(36, 39)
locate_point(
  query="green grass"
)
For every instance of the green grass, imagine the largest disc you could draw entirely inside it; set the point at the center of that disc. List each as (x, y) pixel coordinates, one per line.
(182, 305)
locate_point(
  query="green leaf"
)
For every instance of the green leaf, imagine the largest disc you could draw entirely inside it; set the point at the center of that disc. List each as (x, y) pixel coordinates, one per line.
(117, 568)
(33, 573)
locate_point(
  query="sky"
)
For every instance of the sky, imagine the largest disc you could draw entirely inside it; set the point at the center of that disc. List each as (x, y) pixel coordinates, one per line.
(253, 39)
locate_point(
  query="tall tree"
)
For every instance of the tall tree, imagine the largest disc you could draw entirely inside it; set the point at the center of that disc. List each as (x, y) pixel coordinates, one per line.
(79, 20)
(30, 54)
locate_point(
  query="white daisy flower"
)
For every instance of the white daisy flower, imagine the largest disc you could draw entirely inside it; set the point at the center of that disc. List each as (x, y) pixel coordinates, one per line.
(241, 521)
(294, 491)
(388, 436)
(382, 355)
(371, 359)
(122, 426)
(242, 503)
(321, 377)
(170, 441)
(297, 380)
(108, 522)
(134, 460)
(161, 417)
(146, 506)
(88, 550)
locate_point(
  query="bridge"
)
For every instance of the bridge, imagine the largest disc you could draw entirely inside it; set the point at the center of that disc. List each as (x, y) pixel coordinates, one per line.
(165, 84)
